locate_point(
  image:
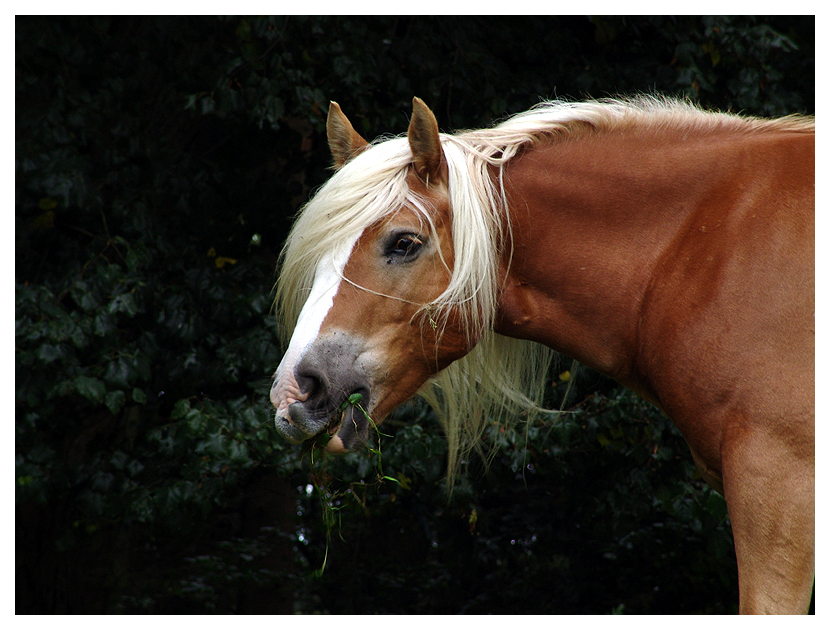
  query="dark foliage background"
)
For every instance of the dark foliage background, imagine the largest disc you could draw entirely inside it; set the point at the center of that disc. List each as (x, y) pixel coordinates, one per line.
(158, 164)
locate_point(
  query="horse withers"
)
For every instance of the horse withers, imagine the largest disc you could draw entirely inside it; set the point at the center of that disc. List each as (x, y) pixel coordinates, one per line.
(667, 247)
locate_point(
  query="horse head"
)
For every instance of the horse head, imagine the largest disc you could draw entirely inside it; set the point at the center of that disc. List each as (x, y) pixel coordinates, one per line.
(372, 257)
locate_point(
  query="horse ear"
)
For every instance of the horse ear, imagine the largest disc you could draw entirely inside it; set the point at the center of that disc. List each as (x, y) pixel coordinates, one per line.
(344, 141)
(427, 154)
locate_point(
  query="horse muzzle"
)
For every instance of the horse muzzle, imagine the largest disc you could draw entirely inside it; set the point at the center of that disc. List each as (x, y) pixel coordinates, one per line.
(332, 396)
(348, 428)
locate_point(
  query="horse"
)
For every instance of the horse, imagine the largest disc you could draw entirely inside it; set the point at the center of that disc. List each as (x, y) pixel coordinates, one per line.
(668, 247)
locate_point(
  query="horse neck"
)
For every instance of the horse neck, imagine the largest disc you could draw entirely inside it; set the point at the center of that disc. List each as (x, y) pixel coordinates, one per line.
(592, 218)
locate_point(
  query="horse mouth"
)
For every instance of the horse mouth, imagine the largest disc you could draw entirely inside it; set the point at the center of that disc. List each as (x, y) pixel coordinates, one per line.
(289, 431)
(334, 423)
(345, 429)
(348, 428)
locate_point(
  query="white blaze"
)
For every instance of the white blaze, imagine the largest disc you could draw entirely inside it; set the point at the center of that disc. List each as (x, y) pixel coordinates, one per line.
(285, 389)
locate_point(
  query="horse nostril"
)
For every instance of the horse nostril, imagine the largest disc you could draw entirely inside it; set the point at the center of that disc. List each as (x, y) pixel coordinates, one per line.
(312, 383)
(309, 384)
(327, 375)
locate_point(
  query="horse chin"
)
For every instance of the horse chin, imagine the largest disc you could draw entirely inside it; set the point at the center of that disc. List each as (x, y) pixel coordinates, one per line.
(351, 434)
(336, 446)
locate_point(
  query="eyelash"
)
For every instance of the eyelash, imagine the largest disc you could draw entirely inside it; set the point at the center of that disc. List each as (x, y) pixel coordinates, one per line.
(403, 246)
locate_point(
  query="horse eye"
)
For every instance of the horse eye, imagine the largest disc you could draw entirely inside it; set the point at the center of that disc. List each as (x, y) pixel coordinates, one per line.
(403, 246)
(406, 244)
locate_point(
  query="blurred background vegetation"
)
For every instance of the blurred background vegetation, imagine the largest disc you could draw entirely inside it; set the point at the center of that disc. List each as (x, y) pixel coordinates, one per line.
(158, 165)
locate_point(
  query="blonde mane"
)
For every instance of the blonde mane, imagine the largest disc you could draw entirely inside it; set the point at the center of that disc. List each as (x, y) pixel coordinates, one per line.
(501, 379)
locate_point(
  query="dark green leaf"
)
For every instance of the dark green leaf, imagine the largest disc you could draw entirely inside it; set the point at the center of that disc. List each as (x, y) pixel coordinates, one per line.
(90, 387)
